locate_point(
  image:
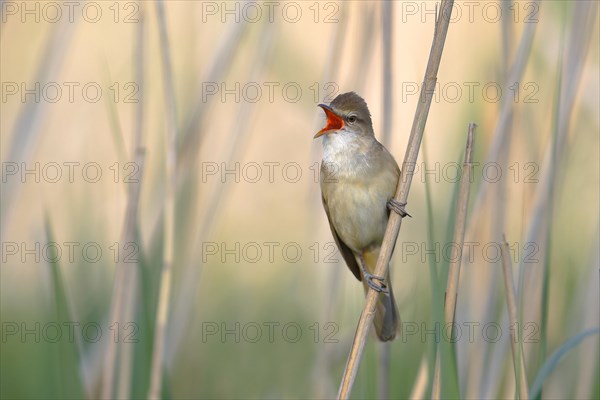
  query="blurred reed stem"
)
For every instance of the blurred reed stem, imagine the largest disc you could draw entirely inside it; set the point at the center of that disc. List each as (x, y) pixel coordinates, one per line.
(506, 109)
(126, 289)
(324, 358)
(484, 380)
(191, 134)
(191, 140)
(546, 234)
(133, 272)
(538, 230)
(433, 272)
(365, 55)
(395, 220)
(158, 353)
(239, 134)
(330, 72)
(387, 13)
(507, 38)
(26, 131)
(515, 333)
(420, 386)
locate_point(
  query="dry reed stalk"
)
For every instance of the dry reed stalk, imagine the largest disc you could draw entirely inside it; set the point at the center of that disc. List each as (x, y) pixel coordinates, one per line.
(460, 223)
(395, 220)
(459, 228)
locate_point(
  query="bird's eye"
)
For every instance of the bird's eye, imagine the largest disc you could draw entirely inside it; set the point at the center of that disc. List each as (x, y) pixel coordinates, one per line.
(352, 119)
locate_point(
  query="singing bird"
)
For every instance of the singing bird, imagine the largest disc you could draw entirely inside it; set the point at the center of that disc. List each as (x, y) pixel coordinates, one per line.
(358, 181)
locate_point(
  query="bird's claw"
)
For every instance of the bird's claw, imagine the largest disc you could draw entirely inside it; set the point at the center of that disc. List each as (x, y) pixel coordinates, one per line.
(380, 287)
(398, 208)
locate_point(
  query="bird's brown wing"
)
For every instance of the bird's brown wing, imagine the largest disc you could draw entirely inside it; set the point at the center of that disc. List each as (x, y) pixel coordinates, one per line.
(344, 249)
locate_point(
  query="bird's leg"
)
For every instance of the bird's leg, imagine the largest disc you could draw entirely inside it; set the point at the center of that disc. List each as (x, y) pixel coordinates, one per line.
(398, 208)
(370, 278)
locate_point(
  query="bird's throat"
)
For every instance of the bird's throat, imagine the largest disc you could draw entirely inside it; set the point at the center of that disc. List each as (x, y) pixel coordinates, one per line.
(347, 153)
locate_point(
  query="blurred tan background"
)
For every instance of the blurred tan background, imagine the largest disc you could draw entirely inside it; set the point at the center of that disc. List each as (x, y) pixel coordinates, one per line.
(245, 93)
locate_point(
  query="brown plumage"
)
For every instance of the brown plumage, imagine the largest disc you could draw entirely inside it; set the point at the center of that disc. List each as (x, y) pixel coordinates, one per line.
(358, 178)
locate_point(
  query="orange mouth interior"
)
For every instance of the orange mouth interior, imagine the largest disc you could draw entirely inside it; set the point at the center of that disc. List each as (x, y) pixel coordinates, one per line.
(334, 122)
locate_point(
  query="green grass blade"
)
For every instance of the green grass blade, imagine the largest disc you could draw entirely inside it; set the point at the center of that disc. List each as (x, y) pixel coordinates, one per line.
(553, 360)
(149, 268)
(69, 358)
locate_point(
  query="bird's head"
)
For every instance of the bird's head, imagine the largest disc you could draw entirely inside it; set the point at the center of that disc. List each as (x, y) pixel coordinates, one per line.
(347, 114)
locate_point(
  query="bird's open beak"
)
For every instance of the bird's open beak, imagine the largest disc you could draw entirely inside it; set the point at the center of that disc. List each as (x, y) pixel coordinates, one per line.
(334, 121)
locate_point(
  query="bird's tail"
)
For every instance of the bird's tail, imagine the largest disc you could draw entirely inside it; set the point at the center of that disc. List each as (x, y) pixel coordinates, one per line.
(387, 317)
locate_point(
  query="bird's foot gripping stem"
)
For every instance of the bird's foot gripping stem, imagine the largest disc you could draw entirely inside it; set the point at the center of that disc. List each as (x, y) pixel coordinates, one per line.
(378, 286)
(398, 208)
